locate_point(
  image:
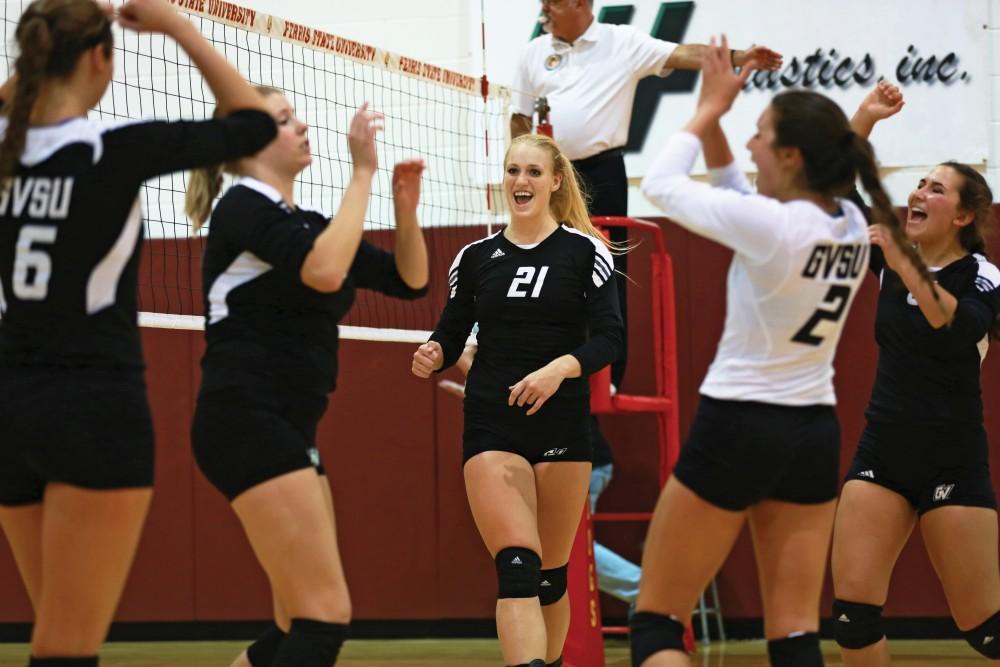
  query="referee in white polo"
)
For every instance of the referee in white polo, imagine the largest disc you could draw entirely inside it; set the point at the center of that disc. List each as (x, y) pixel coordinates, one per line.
(589, 71)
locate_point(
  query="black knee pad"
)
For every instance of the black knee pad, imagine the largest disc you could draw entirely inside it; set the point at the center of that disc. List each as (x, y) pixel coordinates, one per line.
(63, 662)
(261, 653)
(310, 642)
(986, 637)
(518, 573)
(553, 585)
(651, 633)
(801, 650)
(856, 625)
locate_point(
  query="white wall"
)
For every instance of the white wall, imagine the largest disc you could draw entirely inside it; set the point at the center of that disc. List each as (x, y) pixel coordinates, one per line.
(446, 33)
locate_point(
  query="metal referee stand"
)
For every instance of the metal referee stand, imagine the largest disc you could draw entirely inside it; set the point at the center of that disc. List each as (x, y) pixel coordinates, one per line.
(664, 404)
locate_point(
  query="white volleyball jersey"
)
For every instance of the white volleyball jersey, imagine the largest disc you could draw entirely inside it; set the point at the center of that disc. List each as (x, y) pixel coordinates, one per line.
(792, 280)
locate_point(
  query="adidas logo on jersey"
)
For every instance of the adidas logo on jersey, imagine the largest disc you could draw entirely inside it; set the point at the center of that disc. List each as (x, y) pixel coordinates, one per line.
(496, 253)
(843, 619)
(516, 561)
(545, 582)
(943, 492)
(870, 474)
(910, 300)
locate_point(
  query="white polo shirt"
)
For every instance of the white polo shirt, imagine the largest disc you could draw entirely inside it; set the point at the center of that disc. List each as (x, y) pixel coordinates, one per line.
(590, 84)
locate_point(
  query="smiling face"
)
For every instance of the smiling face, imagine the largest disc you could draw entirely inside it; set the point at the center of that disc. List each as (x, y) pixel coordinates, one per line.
(289, 153)
(529, 180)
(566, 19)
(933, 213)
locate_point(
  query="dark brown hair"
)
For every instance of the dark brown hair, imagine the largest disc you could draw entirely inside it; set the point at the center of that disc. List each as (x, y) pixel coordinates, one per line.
(51, 35)
(834, 157)
(975, 197)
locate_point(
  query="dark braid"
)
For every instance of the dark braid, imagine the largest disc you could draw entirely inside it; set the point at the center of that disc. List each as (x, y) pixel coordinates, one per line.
(834, 157)
(51, 35)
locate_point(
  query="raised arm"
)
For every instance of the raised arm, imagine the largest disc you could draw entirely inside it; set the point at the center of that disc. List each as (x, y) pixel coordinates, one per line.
(230, 89)
(411, 251)
(692, 56)
(883, 101)
(327, 265)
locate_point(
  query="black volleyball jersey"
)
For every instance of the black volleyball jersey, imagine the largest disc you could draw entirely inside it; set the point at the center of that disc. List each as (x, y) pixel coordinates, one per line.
(532, 305)
(71, 228)
(257, 310)
(928, 375)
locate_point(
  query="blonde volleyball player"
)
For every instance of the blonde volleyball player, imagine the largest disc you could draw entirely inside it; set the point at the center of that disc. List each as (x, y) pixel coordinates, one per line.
(543, 292)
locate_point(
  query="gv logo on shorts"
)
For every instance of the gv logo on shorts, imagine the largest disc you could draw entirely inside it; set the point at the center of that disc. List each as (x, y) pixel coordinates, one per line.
(557, 451)
(943, 492)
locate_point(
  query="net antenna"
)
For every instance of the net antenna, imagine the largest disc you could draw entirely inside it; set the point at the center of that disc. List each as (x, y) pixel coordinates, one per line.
(451, 120)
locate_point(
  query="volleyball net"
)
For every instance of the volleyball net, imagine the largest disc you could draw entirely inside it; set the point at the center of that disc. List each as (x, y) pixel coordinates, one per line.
(455, 122)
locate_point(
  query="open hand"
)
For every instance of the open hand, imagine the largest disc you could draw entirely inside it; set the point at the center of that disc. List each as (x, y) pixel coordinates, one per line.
(361, 138)
(764, 57)
(406, 184)
(720, 83)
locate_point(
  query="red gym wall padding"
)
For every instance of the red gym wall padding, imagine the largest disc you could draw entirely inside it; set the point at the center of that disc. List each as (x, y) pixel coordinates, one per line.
(391, 444)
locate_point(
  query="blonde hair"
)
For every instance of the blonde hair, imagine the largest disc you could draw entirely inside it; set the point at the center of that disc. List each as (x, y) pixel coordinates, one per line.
(204, 183)
(568, 204)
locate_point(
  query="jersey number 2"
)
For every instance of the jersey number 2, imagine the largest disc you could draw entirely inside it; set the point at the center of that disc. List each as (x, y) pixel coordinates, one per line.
(836, 298)
(33, 267)
(526, 274)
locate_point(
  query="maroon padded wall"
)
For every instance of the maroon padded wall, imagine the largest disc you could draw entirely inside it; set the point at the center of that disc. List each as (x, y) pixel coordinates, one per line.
(391, 444)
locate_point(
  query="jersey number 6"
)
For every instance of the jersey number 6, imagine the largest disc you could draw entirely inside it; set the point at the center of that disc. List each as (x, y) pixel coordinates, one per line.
(525, 274)
(836, 298)
(33, 267)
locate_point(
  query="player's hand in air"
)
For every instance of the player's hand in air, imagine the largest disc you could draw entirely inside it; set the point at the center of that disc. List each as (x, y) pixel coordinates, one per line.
(427, 359)
(406, 186)
(149, 16)
(361, 138)
(883, 101)
(720, 82)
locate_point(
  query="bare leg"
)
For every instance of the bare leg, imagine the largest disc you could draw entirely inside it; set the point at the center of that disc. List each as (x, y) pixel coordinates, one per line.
(871, 528)
(688, 540)
(501, 490)
(291, 530)
(791, 542)
(562, 491)
(962, 545)
(89, 539)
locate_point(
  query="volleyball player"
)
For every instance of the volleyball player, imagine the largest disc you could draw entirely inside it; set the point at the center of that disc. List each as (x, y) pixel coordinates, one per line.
(277, 280)
(543, 293)
(923, 456)
(76, 441)
(764, 445)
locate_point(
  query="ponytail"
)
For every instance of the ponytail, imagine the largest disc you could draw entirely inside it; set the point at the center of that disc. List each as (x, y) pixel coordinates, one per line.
(203, 187)
(35, 40)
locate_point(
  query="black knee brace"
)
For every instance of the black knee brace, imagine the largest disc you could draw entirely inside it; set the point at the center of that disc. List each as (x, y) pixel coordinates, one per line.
(986, 637)
(310, 642)
(856, 625)
(63, 662)
(553, 585)
(796, 651)
(651, 633)
(518, 573)
(261, 653)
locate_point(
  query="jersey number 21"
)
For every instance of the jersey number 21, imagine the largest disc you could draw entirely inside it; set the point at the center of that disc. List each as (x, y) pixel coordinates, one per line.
(523, 279)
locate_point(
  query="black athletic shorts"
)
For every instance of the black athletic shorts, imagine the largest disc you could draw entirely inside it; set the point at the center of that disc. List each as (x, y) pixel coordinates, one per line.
(253, 431)
(559, 431)
(88, 427)
(931, 466)
(742, 452)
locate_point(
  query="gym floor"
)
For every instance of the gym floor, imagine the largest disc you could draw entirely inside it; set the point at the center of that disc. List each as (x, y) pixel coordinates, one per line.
(481, 653)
